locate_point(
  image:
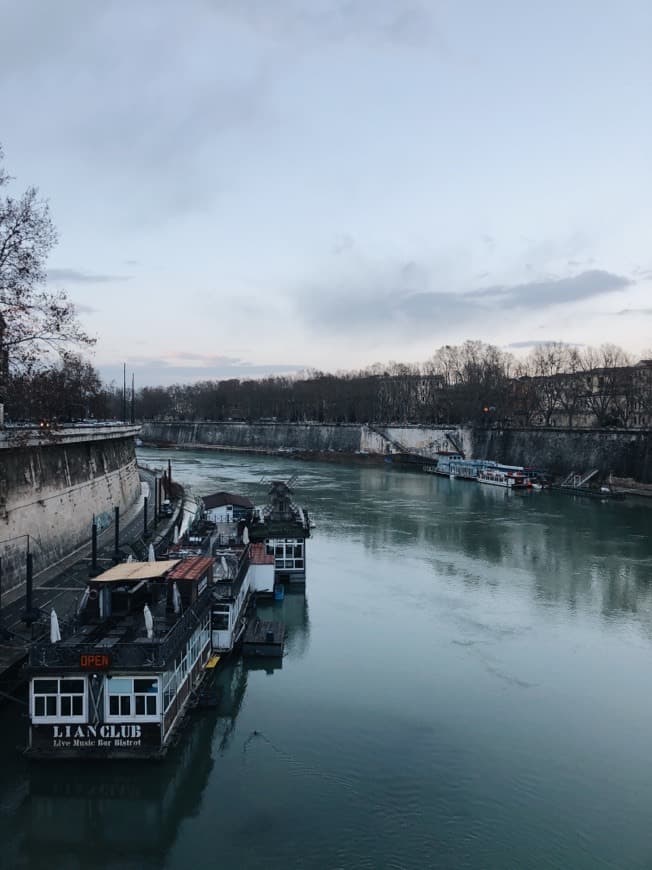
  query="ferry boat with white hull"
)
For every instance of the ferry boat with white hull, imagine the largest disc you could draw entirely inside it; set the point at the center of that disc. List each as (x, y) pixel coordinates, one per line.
(511, 477)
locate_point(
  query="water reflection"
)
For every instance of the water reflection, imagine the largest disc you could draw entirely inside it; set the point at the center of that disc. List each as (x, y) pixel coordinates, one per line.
(127, 813)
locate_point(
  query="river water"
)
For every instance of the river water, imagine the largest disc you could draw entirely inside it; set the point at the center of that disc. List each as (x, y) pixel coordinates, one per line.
(467, 684)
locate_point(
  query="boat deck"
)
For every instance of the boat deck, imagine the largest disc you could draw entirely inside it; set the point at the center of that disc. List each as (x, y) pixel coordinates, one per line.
(264, 638)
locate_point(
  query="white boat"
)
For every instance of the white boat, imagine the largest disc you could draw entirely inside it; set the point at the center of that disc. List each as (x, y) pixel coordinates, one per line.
(512, 478)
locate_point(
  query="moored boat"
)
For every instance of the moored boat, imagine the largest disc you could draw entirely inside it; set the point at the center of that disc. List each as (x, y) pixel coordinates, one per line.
(120, 682)
(508, 476)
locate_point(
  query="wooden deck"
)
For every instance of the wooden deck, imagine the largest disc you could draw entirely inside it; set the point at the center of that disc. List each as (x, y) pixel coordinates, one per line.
(264, 638)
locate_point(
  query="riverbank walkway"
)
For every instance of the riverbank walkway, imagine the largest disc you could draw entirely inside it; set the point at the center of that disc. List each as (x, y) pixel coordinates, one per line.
(60, 586)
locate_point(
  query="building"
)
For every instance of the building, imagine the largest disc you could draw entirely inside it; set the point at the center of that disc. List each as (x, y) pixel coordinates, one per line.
(284, 528)
(227, 507)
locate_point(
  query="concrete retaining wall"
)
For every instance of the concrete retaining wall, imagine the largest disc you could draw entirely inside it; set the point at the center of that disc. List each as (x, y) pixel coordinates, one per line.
(50, 489)
(305, 437)
(622, 453)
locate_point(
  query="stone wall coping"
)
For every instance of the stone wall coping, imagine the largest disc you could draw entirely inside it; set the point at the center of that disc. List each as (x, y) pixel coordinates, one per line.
(32, 436)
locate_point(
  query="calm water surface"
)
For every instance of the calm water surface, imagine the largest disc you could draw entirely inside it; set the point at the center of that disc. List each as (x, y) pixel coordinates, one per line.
(468, 684)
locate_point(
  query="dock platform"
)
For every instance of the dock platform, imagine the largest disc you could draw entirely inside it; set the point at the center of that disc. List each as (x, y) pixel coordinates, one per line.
(264, 638)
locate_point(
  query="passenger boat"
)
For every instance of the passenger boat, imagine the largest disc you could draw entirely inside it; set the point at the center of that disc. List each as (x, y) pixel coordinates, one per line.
(508, 476)
(119, 684)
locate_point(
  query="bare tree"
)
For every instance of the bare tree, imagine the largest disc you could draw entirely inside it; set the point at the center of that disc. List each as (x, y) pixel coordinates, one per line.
(608, 374)
(37, 320)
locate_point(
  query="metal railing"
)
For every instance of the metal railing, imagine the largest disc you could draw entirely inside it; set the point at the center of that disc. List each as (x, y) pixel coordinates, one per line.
(140, 654)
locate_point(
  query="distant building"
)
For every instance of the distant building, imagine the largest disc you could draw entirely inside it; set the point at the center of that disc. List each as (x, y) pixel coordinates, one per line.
(619, 396)
(227, 507)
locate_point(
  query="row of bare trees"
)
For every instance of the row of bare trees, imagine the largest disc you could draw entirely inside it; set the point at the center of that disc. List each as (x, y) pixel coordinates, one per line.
(479, 383)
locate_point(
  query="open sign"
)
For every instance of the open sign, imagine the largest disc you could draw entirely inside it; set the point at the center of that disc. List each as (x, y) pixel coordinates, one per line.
(94, 661)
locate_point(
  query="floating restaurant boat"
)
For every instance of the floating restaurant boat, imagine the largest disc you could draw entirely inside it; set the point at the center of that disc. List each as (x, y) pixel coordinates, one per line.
(512, 477)
(146, 634)
(120, 684)
(283, 527)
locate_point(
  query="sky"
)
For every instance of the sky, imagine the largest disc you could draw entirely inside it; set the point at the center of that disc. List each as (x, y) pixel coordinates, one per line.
(251, 186)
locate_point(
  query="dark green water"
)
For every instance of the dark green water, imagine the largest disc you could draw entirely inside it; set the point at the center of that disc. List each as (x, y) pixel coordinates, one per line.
(468, 684)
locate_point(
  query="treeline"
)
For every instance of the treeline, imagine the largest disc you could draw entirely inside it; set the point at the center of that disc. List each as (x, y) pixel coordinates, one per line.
(555, 384)
(469, 383)
(69, 390)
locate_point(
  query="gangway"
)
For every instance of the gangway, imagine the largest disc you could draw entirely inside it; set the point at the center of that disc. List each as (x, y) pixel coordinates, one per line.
(578, 479)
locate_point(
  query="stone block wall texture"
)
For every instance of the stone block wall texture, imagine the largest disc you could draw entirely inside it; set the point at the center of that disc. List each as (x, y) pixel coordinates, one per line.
(305, 437)
(622, 453)
(51, 492)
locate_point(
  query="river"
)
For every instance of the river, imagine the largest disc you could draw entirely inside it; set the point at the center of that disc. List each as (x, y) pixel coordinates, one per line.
(467, 684)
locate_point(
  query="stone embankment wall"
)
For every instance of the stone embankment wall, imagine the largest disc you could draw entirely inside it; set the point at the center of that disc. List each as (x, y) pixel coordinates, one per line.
(50, 489)
(623, 453)
(265, 437)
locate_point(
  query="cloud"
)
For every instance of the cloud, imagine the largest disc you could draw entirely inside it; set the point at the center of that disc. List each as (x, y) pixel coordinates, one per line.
(401, 22)
(400, 300)
(554, 291)
(80, 308)
(164, 371)
(519, 345)
(343, 243)
(74, 276)
(643, 311)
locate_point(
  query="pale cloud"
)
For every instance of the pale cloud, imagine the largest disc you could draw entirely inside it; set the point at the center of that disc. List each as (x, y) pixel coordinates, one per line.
(75, 276)
(400, 299)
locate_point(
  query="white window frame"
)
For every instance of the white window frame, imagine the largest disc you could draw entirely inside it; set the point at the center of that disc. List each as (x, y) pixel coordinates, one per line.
(132, 695)
(58, 717)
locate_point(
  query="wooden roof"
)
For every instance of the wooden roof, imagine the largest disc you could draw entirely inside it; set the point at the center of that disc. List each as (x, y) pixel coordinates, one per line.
(135, 571)
(192, 568)
(218, 499)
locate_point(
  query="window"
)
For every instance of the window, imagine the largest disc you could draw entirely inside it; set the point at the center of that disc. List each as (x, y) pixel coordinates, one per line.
(132, 698)
(59, 698)
(221, 617)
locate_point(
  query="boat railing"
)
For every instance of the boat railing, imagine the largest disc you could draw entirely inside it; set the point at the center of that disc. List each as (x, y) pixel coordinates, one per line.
(78, 653)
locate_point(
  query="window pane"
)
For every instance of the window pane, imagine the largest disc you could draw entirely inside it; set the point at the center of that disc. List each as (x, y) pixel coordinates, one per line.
(66, 706)
(140, 705)
(72, 687)
(114, 706)
(149, 686)
(120, 685)
(151, 706)
(77, 705)
(39, 706)
(46, 687)
(51, 706)
(125, 706)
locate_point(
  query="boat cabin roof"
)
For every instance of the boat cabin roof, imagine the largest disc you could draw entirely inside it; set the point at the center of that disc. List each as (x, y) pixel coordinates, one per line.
(136, 571)
(190, 569)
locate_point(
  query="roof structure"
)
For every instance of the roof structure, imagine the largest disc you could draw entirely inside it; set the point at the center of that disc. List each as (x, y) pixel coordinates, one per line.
(135, 571)
(191, 569)
(219, 499)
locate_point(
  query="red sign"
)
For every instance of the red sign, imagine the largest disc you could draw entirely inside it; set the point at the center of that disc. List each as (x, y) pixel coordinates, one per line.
(95, 661)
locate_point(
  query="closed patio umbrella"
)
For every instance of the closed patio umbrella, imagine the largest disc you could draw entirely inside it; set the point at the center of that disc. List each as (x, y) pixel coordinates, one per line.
(55, 634)
(83, 601)
(151, 555)
(149, 622)
(176, 598)
(245, 536)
